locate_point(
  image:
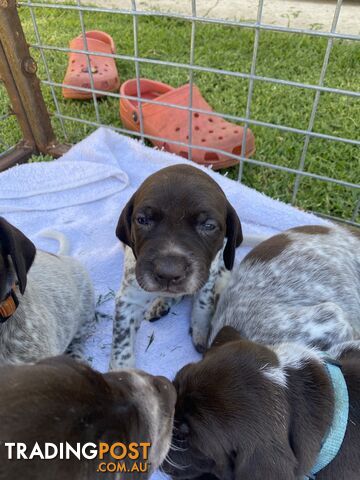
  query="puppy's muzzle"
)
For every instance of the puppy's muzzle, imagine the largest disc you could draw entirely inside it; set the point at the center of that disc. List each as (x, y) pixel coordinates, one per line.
(170, 271)
(165, 389)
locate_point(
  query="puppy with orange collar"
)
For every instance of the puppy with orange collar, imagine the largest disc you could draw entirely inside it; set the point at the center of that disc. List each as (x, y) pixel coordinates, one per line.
(46, 300)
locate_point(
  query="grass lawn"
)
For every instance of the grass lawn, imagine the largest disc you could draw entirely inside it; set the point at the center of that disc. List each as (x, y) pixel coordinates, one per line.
(281, 55)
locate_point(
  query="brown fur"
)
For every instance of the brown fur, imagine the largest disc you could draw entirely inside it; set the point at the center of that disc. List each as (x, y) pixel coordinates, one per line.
(15, 246)
(311, 229)
(175, 203)
(233, 422)
(269, 249)
(61, 400)
(355, 231)
(346, 465)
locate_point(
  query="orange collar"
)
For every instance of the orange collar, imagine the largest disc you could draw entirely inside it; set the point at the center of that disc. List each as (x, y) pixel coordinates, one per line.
(9, 305)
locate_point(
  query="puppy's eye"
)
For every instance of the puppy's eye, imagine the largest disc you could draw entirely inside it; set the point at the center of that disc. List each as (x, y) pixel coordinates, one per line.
(208, 226)
(142, 220)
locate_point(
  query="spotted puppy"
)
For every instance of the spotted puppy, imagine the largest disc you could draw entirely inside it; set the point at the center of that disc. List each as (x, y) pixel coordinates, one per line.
(253, 412)
(62, 401)
(300, 286)
(46, 300)
(174, 227)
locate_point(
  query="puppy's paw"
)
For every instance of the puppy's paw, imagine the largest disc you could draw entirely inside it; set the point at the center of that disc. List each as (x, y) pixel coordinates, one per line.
(200, 348)
(199, 338)
(159, 308)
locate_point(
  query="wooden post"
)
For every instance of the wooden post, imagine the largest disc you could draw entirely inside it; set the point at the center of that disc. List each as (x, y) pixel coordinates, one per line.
(18, 72)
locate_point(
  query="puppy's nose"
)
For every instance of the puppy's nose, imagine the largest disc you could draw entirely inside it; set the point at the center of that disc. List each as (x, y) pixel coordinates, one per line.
(170, 269)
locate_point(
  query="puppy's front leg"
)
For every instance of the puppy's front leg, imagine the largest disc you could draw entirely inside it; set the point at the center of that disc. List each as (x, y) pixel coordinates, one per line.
(130, 306)
(205, 302)
(127, 319)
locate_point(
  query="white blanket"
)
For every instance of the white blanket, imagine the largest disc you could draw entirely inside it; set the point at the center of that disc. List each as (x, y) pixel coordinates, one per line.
(82, 195)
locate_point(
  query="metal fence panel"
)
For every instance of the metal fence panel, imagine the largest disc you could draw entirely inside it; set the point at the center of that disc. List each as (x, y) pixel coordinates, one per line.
(248, 120)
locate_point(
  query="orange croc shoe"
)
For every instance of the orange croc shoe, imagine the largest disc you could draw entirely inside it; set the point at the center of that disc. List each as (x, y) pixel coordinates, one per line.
(104, 69)
(173, 124)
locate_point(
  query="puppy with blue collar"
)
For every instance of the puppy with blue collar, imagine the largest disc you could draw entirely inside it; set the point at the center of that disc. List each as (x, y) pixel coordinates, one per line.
(253, 412)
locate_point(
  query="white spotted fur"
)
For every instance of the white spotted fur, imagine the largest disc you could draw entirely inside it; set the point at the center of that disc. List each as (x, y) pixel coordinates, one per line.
(290, 355)
(53, 313)
(133, 304)
(308, 295)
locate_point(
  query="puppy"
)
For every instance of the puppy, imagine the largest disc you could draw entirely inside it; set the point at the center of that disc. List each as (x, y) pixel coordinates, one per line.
(45, 300)
(174, 225)
(60, 401)
(300, 286)
(253, 412)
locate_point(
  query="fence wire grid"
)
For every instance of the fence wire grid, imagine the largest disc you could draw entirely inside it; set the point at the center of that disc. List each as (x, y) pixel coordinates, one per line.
(192, 68)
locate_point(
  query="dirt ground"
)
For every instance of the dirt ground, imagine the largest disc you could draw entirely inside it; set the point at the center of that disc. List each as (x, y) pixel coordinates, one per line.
(313, 14)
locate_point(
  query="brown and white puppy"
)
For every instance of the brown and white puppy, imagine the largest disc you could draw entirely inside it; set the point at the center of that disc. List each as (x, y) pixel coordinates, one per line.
(60, 400)
(253, 412)
(46, 300)
(301, 286)
(175, 225)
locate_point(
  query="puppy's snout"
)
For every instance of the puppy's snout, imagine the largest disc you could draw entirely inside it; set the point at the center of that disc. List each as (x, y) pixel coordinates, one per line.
(170, 269)
(165, 388)
(161, 383)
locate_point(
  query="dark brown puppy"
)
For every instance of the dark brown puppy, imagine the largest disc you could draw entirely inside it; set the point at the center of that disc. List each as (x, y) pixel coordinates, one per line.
(15, 246)
(174, 227)
(59, 400)
(248, 412)
(175, 223)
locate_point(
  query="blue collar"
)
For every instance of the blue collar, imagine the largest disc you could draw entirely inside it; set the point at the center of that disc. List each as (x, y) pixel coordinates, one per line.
(335, 435)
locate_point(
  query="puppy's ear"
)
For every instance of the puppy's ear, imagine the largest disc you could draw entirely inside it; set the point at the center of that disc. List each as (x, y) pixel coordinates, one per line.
(233, 234)
(123, 229)
(310, 398)
(20, 249)
(225, 335)
(307, 410)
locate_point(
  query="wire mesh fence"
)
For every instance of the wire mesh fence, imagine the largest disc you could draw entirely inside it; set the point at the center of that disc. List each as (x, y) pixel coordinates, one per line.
(306, 121)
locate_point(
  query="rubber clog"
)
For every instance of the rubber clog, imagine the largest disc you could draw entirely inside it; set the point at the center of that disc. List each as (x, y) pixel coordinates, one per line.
(103, 69)
(173, 123)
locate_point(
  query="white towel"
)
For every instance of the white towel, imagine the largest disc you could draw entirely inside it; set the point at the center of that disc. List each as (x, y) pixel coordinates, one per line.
(82, 195)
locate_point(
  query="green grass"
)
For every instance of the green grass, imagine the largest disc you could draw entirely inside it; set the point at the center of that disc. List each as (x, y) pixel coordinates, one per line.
(281, 55)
